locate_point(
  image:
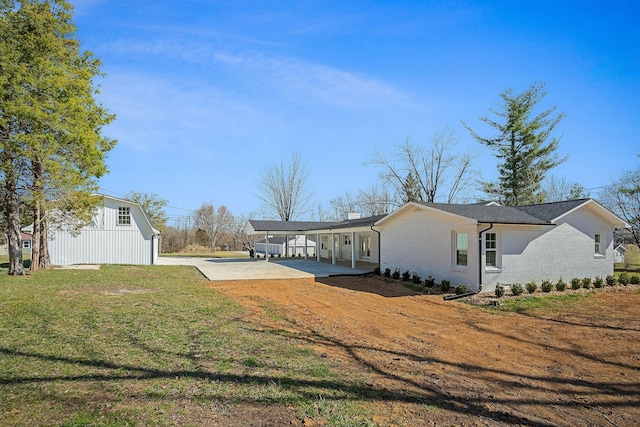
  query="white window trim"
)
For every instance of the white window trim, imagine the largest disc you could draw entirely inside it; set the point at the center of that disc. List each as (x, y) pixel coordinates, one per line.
(454, 251)
(602, 252)
(118, 220)
(498, 249)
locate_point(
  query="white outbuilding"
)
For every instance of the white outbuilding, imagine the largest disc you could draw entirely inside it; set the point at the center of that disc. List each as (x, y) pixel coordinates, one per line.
(120, 232)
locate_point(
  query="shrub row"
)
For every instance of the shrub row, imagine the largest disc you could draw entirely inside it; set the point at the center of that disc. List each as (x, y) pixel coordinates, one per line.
(415, 279)
(576, 283)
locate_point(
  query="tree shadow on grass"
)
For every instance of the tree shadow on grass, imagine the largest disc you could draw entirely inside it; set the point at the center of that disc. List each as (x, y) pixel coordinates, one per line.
(420, 391)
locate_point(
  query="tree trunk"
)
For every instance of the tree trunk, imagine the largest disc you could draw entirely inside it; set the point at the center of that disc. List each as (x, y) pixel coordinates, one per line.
(45, 260)
(35, 238)
(12, 216)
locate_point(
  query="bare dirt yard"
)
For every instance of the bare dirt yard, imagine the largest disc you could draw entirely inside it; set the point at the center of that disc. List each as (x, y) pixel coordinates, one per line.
(434, 362)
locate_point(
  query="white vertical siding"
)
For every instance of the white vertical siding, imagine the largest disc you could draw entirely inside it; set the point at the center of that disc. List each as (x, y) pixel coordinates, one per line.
(103, 241)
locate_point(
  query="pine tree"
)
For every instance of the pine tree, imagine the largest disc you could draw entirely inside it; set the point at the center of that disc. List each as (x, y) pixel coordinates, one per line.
(50, 123)
(521, 146)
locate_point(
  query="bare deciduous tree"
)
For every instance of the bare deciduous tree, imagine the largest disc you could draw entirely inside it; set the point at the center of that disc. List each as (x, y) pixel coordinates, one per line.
(623, 198)
(212, 222)
(375, 201)
(558, 190)
(240, 240)
(428, 174)
(370, 202)
(283, 189)
(342, 206)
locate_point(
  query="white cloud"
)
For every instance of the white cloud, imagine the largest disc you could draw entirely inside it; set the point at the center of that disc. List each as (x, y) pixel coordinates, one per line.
(296, 80)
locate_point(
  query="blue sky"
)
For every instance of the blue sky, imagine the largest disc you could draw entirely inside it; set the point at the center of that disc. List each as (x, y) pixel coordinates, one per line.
(207, 93)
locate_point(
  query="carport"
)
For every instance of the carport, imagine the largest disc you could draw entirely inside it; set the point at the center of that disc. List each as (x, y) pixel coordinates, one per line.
(353, 241)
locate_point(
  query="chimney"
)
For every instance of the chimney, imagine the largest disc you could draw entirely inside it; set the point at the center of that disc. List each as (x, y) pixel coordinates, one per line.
(353, 215)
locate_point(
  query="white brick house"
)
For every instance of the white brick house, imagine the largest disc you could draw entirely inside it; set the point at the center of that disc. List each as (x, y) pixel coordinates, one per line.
(476, 245)
(481, 245)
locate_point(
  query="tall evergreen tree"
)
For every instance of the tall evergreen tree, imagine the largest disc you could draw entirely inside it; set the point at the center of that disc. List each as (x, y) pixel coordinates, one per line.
(523, 146)
(50, 120)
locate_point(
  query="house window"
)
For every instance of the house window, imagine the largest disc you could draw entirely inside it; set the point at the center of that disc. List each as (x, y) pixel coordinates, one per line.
(325, 240)
(461, 246)
(365, 246)
(490, 250)
(347, 240)
(26, 244)
(124, 215)
(598, 244)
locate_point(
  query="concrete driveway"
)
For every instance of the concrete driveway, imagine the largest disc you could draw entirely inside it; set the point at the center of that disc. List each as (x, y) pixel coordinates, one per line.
(253, 269)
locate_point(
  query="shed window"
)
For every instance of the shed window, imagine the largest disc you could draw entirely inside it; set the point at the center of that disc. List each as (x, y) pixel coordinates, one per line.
(461, 247)
(124, 215)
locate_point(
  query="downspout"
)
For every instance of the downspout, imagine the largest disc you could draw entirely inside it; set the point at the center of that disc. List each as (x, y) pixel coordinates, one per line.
(480, 256)
(379, 247)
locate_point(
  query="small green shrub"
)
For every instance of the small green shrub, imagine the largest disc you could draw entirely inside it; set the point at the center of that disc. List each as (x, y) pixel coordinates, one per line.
(499, 290)
(461, 289)
(598, 282)
(517, 289)
(416, 279)
(429, 282)
(546, 286)
(445, 285)
(561, 285)
(376, 271)
(623, 278)
(532, 287)
(396, 274)
(576, 283)
(586, 282)
(387, 272)
(634, 280)
(406, 276)
(611, 280)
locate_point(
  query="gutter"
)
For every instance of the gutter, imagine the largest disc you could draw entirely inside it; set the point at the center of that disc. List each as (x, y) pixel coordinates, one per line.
(379, 247)
(480, 256)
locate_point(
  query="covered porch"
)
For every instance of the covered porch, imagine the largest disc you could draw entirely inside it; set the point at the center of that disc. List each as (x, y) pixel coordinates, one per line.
(353, 242)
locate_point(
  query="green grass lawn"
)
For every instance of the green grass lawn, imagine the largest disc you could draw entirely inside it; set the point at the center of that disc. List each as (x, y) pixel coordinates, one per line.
(133, 345)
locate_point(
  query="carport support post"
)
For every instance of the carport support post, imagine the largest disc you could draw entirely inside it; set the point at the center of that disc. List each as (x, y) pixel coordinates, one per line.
(305, 247)
(353, 249)
(266, 252)
(318, 247)
(333, 248)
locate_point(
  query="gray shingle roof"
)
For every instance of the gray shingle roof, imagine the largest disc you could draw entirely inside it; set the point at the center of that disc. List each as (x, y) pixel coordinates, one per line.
(294, 226)
(266, 225)
(488, 214)
(358, 222)
(551, 211)
(540, 214)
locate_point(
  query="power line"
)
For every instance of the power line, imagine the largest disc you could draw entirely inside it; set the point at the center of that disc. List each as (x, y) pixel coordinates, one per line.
(124, 195)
